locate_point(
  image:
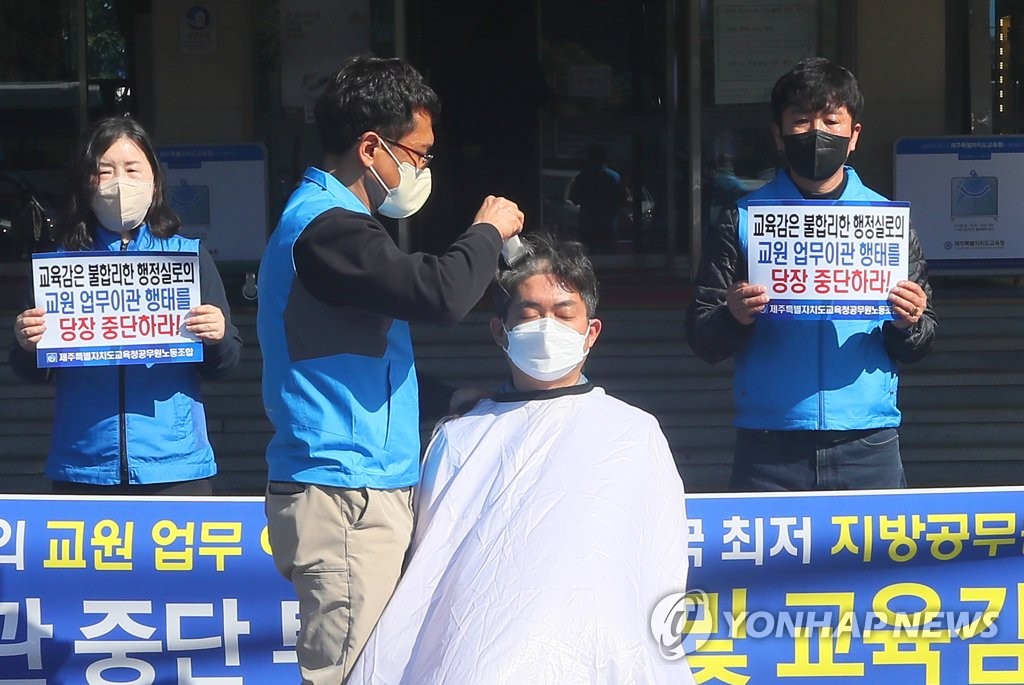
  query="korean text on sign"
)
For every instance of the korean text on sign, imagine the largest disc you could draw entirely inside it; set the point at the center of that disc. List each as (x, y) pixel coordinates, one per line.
(828, 260)
(109, 308)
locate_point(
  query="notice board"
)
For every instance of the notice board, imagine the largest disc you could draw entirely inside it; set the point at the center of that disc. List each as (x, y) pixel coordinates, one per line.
(966, 197)
(220, 193)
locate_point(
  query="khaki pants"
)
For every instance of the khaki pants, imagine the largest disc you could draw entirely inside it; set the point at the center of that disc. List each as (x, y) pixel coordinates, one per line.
(343, 550)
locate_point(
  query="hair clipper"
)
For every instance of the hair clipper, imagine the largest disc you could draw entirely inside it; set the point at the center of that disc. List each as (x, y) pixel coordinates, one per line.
(513, 251)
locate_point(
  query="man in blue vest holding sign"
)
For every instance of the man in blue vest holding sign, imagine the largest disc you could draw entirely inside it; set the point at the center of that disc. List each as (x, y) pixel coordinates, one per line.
(815, 399)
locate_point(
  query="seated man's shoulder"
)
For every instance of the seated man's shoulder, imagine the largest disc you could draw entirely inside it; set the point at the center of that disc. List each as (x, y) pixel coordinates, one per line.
(605, 409)
(483, 412)
(601, 396)
(620, 409)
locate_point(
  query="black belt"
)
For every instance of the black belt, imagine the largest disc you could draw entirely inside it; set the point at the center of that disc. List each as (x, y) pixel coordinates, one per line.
(816, 437)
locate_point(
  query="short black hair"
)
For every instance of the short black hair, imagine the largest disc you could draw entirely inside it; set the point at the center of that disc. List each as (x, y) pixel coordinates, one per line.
(371, 94)
(817, 84)
(566, 260)
(74, 230)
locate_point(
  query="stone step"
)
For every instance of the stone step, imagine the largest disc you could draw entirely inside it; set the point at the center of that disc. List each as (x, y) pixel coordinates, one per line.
(649, 367)
(956, 319)
(241, 399)
(703, 471)
(962, 404)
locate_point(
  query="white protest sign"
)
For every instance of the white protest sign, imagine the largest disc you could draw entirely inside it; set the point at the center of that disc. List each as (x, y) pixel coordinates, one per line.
(110, 308)
(824, 259)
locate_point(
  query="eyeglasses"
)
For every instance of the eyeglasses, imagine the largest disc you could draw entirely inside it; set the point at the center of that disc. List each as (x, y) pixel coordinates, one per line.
(425, 157)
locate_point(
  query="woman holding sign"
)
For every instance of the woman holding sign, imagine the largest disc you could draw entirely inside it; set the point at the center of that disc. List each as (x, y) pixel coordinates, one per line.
(132, 425)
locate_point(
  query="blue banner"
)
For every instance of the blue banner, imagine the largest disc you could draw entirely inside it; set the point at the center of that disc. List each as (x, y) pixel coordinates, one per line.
(141, 590)
(913, 587)
(967, 147)
(831, 310)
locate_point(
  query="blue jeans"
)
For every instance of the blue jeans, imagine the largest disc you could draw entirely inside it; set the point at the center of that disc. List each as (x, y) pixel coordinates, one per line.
(817, 460)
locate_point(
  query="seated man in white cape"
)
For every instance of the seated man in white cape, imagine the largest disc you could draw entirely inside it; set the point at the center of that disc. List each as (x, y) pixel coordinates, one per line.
(550, 519)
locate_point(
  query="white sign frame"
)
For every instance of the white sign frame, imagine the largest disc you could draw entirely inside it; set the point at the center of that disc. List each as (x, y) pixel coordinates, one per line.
(99, 304)
(828, 259)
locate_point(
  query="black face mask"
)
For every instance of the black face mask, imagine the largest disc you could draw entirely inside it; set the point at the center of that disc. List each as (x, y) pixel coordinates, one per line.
(815, 155)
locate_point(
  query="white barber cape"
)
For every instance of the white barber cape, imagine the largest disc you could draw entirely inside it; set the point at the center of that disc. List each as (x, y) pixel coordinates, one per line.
(547, 530)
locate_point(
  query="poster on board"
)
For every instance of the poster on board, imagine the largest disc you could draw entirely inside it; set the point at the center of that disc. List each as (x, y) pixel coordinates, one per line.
(965, 193)
(316, 37)
(757, 42)
(220, 194)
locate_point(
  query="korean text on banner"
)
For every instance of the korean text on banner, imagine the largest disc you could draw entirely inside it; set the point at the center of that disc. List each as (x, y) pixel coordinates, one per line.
(105, 308)
(919, 587)
(824, 259)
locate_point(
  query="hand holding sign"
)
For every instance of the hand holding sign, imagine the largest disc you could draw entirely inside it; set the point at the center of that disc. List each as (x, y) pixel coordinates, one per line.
(29, 327)
(908, 301)
(746, 301)
(207, 322)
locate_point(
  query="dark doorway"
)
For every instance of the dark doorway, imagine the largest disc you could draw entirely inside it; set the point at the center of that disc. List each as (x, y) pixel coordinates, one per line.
(482, 59)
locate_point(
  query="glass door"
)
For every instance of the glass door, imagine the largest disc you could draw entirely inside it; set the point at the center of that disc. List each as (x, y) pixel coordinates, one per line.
(603, 143)
(745, 46)
(49, 50)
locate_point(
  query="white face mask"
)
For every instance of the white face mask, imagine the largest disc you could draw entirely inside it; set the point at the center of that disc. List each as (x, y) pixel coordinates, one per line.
(412, 191)
(545, 349)
(121, 203)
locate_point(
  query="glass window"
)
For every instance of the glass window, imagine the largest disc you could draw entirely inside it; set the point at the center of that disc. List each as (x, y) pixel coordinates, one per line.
(1008, 66)
(109, 56)
(40, 102)
(291, 139)
(38, 84)
(746, 46)
(38, 118)
(603, 126)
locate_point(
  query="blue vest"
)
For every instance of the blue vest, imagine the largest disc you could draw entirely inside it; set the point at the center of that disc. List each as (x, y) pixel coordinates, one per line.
(813, 375)
(165, 423)
(341, 418)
